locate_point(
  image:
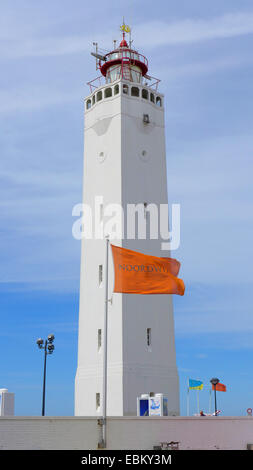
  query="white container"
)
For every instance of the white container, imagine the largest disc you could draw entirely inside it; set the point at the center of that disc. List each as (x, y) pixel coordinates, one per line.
(154, 405)
(6, 402)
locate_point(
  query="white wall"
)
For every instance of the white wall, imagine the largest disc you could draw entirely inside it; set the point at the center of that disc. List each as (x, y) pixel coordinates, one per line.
(114, 127)
(78, 433)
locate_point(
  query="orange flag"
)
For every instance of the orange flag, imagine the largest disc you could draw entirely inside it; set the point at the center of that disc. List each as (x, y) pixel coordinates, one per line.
(220, 387)
(136, 273)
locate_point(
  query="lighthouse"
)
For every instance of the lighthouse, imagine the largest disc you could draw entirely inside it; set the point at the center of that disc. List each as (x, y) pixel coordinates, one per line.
(124, 166)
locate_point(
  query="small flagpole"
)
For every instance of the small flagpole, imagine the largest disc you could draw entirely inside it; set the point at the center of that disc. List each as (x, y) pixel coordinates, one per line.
(198, 400)
(105, 348)
(188, 400)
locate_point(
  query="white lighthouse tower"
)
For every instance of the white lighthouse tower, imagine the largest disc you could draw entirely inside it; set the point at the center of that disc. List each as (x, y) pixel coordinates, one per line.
(124, 163)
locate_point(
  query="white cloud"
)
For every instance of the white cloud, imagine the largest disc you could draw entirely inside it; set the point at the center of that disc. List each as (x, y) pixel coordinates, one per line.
(215, 309)
(195, 30)
(35, 99)
(150, 34)
(171, 72)
(215, 321)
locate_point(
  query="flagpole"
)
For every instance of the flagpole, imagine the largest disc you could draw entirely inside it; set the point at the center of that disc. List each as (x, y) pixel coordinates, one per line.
(198, 400)
(105, 348)
(188, 400)
(210, 401)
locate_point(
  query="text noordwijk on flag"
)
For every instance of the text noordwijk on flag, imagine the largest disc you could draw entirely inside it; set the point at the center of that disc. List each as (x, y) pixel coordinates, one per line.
(137, 273)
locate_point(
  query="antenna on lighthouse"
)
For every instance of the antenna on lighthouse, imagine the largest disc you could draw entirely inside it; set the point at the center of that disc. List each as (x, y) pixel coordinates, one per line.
(97, 55)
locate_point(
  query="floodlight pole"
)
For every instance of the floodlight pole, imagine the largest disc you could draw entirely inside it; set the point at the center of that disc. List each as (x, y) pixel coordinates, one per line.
(48, 349)
(214, 382)
(44, 380)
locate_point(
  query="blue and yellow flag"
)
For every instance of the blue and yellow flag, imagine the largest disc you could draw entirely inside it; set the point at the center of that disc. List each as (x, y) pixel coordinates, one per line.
(195, 384)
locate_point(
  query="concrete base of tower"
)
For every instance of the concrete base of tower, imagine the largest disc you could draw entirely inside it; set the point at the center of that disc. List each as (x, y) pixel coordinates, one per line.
(123, 390)
(89, 395)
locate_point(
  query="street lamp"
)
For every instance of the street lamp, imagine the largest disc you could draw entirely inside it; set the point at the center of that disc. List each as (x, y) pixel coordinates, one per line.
(214, 382)
(49, 349)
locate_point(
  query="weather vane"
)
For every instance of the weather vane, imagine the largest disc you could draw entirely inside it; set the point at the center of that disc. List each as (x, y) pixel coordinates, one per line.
(125, 28)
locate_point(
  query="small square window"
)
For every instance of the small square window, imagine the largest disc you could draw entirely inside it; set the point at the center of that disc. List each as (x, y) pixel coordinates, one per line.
(158, 101)
(100, 274)
(144, 94)
(145, 204)
(135, 91)
(97, 401)
(101, 205)
(148, 336)
(99, 95)
(108, 92)
(99, 339)
(125, 89)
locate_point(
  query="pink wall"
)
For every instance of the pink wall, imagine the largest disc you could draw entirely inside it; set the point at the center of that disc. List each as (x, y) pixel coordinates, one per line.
(126, 433)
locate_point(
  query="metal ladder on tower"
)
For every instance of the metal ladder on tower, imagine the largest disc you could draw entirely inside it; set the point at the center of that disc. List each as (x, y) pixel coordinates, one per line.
(126, 73)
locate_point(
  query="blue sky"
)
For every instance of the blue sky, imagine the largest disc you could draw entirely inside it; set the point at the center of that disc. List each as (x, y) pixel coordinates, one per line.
(202, 52)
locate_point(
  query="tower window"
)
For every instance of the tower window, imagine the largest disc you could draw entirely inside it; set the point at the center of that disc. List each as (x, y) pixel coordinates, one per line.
(101, 208)
(158, 101)
(148, 336)
(97, 401)
(108, 92)
(125, 89)
(144, 94)
(99, 96)
(145, 204)
(93, 99)
(100, 274)
(116, 89)
(152, 98)
(88, 104)
(99, 339)
(135, 91)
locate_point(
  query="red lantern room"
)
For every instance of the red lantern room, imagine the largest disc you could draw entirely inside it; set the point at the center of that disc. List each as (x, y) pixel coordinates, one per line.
(123, 62)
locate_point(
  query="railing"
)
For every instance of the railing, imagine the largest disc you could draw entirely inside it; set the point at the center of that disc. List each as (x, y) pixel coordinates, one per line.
(101, 80)
(155, 82)
(96, 83)
(126, 55)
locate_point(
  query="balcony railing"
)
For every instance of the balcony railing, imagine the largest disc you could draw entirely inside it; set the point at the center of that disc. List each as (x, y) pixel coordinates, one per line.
(126, 55)
(115, 75)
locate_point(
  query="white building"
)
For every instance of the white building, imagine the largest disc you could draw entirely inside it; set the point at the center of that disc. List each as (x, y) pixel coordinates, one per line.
(7, 400)
(124, 162)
